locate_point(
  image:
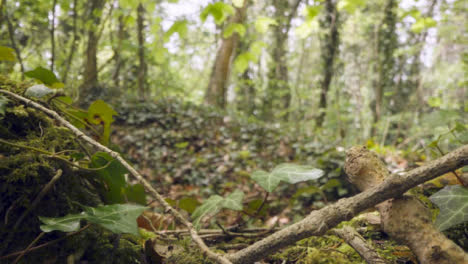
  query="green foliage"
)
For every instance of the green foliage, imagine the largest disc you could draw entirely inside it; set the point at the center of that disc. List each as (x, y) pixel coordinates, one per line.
(38, 91)
(118, 218)
(215, 203)
(350, 5)
(289, 173)
(219, 10)
(423, 23)
(3, 104)
(179, 27)
(45, 76)
(234, 28)
(113, 175)
(7, 54)
(453, 204)
(252, 55)
(100, 113)
(263, 23)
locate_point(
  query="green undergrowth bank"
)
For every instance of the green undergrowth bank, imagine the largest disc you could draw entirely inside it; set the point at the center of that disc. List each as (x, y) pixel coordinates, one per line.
(25, 170)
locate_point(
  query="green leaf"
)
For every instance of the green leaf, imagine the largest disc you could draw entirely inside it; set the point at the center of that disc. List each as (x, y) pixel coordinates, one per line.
(188, 204)
(135, 193)
(3, 104)
(453, 204)
(179, 27)
(215, 203)
(113, 176)
(234, 28)
(118, 218)
(422, 24)
(101, 113)
(234, 201)
(238, 3)
(306, 28)
(350, 5)
(68, 223)
(219, 10)
(182, 145)
(263, 23)
(242, 61)
(7, 54)
(289, 173)
(211, 206)
(43, 75)
(312, 11)
(38, 91)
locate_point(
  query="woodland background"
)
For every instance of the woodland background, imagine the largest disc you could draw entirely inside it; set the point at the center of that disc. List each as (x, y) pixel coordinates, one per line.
(207, 92)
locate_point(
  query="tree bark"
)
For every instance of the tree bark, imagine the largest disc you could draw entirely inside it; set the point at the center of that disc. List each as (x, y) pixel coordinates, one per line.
(330, 45)
(11, 33)
(73, 43)
(319, 221)
(216, 92)
(89, 89)
(384, 63)
(52, 36)
(279, 91)
(142, 92)
(404, 218)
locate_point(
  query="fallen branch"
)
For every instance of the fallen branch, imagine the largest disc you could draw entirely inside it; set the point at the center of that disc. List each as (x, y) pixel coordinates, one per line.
(356, 241)
(405, 218)
(167, 208)
(319, 221)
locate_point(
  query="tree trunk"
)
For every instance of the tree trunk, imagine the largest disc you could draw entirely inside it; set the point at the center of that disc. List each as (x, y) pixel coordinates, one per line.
(216, 91)
(117, 56)
(384, 63)
(89, 89)
(278, 91)
(73, 43)
(330, 45)
(52, 36)
(142, 92)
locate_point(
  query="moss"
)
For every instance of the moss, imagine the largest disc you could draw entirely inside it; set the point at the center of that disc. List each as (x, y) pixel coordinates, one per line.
(24, 173)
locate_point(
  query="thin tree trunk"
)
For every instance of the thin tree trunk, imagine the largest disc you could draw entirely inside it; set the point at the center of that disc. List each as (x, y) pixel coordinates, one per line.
(11, 32)
(386, 45)
(89, 90)
(117, 57)
(216, 91)
(279, 90)
(73, 43)
(52, 36)
(142, 93)
(329, 53)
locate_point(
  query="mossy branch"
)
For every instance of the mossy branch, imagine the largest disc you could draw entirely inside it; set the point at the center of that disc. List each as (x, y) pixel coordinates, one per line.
(158, 197)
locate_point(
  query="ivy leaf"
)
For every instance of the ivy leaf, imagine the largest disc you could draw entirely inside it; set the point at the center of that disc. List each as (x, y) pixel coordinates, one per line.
(453, 204)
(179, 27)
(7, 54)
(219, 10)
(289, 173)
(118, 218)
(234, 28)
(210, 206)
(262, 23)
(113, 176)
(45, 76)
(312, 11)
(215, 203)
(68, 223)
(101, 113)
(38, 91)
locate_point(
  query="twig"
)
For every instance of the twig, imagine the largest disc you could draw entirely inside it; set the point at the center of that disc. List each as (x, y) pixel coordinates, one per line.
(45, 244)
(356, 241)
(167, 208)
(29, 247)
(39, 197)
